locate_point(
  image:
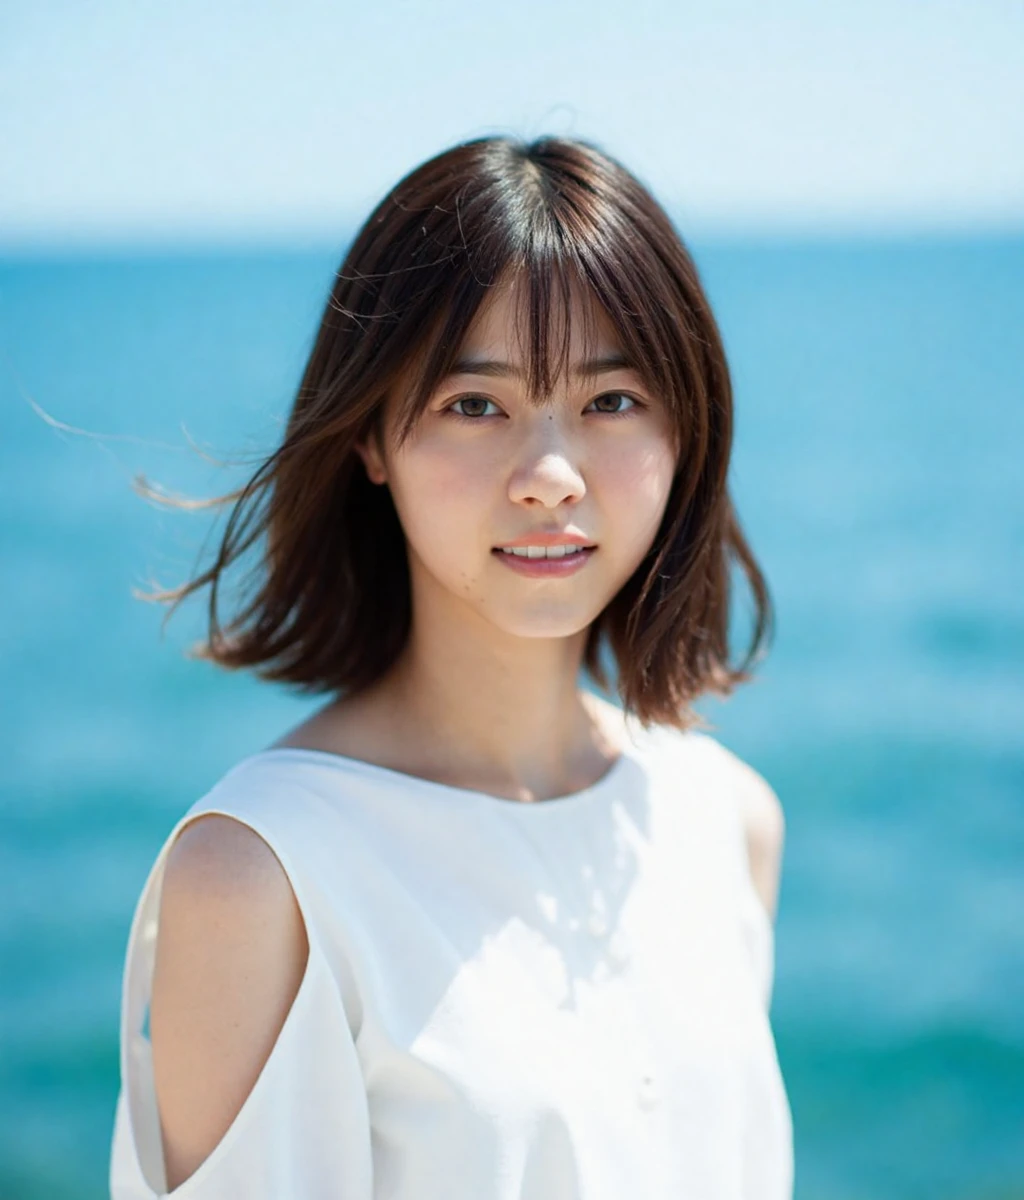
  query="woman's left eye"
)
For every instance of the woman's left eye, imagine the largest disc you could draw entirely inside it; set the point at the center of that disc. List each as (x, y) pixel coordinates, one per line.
(613, 398)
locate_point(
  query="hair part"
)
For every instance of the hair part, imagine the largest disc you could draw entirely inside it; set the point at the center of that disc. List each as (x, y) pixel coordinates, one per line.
(330, 603)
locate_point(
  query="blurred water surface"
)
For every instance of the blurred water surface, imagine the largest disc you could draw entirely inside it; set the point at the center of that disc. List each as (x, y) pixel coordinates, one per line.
(878, 474)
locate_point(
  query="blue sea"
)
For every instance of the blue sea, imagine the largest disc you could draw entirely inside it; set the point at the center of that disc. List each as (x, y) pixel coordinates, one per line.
(879, 474)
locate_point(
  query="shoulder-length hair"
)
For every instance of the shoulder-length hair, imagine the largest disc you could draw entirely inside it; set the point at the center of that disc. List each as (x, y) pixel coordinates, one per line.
(329, 606)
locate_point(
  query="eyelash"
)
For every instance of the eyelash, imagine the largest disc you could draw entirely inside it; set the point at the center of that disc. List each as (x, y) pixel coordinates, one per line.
(634, 405)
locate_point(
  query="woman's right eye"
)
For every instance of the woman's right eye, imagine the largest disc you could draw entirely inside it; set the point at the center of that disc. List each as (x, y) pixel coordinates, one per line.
(473, 406)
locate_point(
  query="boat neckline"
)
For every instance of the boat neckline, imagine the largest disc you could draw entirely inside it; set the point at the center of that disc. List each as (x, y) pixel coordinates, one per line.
(606, 783)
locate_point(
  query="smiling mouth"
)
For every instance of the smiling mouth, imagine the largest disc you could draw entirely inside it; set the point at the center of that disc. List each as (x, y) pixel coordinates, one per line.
(564, 551)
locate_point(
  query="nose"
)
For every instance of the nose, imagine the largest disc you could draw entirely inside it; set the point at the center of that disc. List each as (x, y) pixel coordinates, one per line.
(547, 472)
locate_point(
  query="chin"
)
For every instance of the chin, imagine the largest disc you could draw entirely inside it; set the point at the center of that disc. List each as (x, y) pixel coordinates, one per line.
(549, 624)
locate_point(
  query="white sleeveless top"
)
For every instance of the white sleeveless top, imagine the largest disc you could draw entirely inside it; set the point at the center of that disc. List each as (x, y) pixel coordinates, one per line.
(559, 1000)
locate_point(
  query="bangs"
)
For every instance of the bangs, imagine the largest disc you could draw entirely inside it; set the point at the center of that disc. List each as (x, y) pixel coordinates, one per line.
(567, 257)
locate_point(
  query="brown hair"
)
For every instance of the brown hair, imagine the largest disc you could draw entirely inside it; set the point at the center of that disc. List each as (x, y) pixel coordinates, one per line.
(331, 607)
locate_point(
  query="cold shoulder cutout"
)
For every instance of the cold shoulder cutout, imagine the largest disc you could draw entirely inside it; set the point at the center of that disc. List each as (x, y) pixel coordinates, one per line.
(264, 1153)
(230, 954)
(560, 1000)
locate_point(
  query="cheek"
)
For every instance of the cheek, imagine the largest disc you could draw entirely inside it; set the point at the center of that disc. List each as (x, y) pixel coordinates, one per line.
(441, 500)
(441, 474)
(635, 481)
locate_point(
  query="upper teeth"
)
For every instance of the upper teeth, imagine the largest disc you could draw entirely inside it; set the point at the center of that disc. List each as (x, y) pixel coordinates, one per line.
(541, 551)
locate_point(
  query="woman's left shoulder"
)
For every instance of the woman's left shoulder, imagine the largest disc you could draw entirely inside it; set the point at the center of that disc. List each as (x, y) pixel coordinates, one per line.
(759, 804)
(758, 807)
(764, 828)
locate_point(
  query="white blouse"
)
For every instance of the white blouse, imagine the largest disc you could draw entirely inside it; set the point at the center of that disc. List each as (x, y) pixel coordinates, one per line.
(560, 1000)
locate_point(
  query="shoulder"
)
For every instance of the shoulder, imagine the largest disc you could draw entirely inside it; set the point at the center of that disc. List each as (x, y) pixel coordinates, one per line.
(231, 952)
(759, 804)
(223, 878)
(222, 859)
(764, 827)
(760, 812)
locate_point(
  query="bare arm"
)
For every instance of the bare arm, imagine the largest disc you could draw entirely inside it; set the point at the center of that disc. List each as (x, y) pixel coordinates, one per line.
(231, 953)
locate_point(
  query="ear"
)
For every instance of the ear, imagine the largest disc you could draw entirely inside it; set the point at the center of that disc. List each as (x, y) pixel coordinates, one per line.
(369, 451)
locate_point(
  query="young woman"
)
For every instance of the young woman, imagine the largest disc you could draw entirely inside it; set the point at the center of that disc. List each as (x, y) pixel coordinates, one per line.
(471, 930)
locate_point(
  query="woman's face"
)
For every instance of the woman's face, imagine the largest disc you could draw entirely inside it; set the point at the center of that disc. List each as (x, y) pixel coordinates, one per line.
(485, 470)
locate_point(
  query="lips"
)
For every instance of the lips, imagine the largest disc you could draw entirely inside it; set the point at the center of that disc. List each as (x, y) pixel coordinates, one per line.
(545, 561)
(559, 550)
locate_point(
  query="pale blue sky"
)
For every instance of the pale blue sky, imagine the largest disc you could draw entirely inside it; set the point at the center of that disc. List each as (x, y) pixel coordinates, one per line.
(130, 121)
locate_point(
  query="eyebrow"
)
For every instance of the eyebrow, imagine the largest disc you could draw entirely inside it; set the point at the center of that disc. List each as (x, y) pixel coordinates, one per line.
(502, 370)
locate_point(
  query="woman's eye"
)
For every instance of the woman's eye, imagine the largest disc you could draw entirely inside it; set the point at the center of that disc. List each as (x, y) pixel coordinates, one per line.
(613, 404)
(609, 402)
(473, 406)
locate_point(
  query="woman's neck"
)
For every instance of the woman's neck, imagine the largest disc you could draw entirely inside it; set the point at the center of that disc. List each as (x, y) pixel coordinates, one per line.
(477, 709)
(505, 716)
